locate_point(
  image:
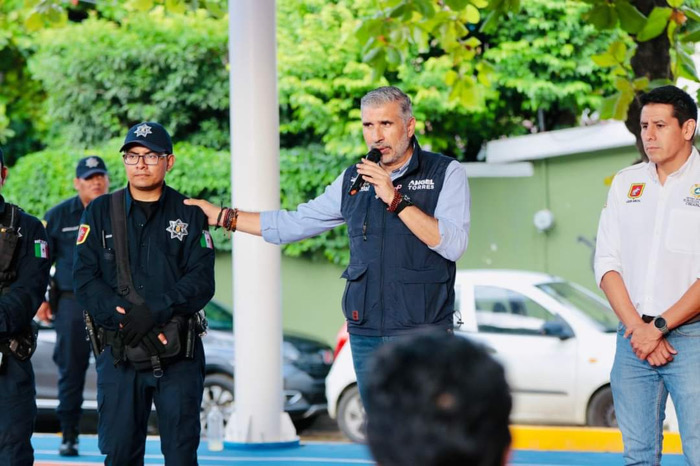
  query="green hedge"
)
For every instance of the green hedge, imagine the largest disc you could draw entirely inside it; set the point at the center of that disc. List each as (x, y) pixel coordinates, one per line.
(101, 77)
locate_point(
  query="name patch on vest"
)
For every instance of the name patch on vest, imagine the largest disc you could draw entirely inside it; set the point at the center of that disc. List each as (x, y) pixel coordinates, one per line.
(415, 185)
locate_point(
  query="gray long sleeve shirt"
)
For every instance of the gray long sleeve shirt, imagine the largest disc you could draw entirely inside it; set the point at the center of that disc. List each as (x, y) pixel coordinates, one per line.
(323, 213)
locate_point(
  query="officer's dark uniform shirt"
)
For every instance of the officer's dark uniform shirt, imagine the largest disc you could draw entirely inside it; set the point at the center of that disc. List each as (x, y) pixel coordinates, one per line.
(62, 223)
(31, 259)
(171, 256)
(18, 304)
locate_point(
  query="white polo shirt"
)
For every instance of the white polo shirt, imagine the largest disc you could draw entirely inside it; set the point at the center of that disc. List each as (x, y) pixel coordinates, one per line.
(650, 234)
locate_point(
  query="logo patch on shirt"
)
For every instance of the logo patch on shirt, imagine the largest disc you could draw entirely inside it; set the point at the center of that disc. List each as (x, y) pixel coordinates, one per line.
(415, 185)
(363, 187)
(41, 249)
(636, 190)
(177, 229)
(206, 241)
(83, 233)
(695, 191)
(694, 199)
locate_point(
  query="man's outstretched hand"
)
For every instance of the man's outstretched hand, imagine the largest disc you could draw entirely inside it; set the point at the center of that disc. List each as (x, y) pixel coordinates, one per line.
(209, 209)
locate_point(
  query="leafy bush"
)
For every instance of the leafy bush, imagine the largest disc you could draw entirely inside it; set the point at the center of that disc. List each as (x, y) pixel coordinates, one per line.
(101, 77)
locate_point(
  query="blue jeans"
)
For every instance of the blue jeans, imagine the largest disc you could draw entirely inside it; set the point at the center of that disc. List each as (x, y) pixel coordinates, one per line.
(640, 392)
(362, 349)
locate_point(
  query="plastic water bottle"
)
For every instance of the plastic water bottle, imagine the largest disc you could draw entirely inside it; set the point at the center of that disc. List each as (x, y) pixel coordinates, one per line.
(215, 429)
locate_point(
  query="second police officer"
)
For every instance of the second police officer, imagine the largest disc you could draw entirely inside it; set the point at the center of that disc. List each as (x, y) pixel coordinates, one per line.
(24, 274)
(171, 267)
(72, 352)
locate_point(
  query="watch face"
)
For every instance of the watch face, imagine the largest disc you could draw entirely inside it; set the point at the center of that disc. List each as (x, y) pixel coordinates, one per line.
(659, 322)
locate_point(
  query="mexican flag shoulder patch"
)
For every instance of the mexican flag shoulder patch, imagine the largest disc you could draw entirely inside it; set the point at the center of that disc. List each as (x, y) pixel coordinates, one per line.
(41, 249)
(206, 241)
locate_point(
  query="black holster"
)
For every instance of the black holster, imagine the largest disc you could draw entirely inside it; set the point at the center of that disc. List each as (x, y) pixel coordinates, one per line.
(20, 346)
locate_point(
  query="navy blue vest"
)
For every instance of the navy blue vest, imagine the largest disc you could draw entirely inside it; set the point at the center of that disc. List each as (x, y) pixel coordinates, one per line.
(395, 283)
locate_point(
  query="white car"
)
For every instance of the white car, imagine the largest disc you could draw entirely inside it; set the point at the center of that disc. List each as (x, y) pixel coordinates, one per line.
(555, 339)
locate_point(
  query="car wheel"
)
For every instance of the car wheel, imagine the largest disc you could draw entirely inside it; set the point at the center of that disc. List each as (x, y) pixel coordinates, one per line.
(218, 391)
(351, 415)
(601, 411)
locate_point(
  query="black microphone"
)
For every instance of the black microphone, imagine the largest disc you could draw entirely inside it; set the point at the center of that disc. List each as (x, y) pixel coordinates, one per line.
(375, 155)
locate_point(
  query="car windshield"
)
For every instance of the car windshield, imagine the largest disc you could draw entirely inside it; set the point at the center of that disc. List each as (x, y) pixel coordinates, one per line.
(219, 317)
(592, 306)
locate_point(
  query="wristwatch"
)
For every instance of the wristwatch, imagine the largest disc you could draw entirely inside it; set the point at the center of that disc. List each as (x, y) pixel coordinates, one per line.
(660, 324)
(403, 203)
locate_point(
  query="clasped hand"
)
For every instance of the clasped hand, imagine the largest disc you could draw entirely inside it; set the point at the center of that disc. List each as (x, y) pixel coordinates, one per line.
(649, 344)
(139, 327)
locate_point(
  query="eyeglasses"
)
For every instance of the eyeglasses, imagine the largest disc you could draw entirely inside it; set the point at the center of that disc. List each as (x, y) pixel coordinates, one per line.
(149, 158)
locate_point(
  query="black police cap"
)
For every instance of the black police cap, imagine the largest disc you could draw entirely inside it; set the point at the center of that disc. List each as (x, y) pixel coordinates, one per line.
(148, 134)
(88, 166)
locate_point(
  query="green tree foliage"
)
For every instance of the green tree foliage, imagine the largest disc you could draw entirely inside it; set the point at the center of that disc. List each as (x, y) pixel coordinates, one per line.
(101, 77)
(541, 57)
(114, 69)
(21, 119)
(662, 34)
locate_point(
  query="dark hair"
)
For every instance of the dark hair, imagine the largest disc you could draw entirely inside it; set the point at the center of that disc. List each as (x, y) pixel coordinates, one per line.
(684, 107)
(437, 399)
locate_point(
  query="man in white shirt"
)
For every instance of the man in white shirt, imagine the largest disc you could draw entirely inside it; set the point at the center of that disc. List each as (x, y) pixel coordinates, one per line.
(647, 263)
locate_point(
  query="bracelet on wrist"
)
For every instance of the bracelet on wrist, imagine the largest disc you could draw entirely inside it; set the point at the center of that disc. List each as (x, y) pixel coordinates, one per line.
(234, 221)
(227, 219)
(395, 201)
(218, 219)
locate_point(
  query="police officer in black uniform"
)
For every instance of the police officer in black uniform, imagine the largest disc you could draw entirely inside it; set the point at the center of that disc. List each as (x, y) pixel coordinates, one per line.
(72, 352)
(24, 274)
(171, 260)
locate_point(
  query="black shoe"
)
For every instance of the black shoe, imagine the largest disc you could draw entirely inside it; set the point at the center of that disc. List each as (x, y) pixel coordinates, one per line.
(69, 447)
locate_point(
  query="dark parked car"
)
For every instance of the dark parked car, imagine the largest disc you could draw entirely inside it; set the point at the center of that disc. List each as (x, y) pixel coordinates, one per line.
(306, 364)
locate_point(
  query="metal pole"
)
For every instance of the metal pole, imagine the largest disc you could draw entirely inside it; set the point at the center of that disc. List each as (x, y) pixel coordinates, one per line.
(259, 415)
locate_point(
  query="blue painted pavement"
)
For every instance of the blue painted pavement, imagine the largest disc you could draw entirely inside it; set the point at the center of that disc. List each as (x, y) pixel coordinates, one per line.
(308, 454)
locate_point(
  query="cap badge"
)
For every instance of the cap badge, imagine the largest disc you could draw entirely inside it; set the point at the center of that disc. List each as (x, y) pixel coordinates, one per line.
(91, 162)
(143, 130)
(177, 229)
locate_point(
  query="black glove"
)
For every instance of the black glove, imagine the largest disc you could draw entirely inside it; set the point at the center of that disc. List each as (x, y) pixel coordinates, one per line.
(154, 346)
(137, 323)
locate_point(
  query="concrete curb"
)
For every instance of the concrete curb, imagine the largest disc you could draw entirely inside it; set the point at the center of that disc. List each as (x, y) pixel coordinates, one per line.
(579, 439)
